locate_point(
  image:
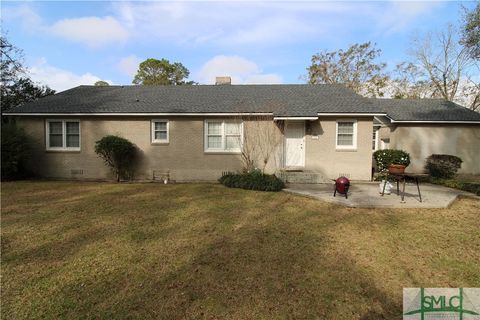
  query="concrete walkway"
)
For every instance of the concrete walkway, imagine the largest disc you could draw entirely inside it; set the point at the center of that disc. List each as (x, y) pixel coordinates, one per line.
(366, 195)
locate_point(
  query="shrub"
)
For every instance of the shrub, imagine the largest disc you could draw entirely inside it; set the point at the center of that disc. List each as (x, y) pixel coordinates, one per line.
(470, 186)
(443, 165)
(254, 180)
(473, 187)
(15, 150)
(386, 157)
(118, 153)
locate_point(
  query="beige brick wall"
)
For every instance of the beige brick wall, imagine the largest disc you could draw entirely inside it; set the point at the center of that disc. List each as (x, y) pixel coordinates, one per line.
(324, 158)
(184, 155)
(420, 141)
(423, 140)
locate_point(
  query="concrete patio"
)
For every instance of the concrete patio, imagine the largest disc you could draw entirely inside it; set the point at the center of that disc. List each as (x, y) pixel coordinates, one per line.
(366, 195)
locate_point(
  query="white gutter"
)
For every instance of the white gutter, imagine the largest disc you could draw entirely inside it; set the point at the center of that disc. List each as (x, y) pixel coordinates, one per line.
(295, 118)
(432, 121)
(441, 121)
(235, 114)
(116, 114)
(346, 114)
(188, 114)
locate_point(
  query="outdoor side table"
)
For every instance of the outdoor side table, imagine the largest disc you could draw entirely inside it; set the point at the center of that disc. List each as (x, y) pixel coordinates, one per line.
(403, 177)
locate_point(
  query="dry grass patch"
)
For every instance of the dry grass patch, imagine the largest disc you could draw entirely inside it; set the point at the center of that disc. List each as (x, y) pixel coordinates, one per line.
(97, 250)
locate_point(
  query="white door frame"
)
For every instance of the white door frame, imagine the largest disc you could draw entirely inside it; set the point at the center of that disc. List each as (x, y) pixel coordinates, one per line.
(303, 147)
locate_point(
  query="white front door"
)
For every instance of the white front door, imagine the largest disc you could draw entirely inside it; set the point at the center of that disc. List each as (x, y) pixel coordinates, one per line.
(295, 144)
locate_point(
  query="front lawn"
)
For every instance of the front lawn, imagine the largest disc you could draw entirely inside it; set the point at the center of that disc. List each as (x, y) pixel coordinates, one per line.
(114, 251)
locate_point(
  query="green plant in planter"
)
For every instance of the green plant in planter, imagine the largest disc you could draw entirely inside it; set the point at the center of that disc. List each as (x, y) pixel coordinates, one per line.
(384, 158)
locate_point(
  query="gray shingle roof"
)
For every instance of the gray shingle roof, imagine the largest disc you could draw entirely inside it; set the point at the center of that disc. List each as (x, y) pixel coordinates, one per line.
(425, 110)
(282, 100)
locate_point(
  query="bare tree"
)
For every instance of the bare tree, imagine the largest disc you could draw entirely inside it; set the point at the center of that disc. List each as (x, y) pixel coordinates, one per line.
(11, 62)
(357, 68)
(408, 81)
(447, 65)
(262, 138)
(470, 89)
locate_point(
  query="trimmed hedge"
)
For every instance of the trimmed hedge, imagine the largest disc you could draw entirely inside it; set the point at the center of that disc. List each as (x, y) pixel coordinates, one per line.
(254, 180)
(386, 157)
(473, 187)
(119, 154)
(443, 165)
(469, 186)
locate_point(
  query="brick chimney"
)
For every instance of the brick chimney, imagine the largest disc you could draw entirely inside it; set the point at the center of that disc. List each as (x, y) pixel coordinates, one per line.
(223, 80)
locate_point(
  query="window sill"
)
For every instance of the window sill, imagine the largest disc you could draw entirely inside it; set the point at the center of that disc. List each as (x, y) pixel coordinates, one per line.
(63, 151)
(346, 150)
(222, 152)
(158, 143)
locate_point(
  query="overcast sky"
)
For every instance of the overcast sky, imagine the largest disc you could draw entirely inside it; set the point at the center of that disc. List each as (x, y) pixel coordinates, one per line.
(71, 43)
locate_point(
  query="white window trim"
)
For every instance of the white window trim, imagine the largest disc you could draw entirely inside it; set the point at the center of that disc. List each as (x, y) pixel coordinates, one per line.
(223, 134)
(342, 147)
(377, 131)
(64, 135)
(152, 131)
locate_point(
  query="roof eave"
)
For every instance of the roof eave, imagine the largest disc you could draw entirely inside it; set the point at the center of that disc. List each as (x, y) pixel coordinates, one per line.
(360, 114)
(295, 118)
(136, 114)
(186, 114)
(438, 121)
(45, 114)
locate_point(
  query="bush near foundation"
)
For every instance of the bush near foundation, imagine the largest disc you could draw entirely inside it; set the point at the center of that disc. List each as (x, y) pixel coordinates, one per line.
(119, 154)
(254, 180)
(15, 150)
(443, 165)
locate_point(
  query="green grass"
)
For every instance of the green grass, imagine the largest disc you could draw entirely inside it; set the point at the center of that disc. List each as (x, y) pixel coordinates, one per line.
(201, 251)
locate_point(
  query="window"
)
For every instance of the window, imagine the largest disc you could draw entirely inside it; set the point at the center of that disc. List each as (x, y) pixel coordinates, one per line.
(375, 138)
(160, 131)
(63, 135)
(223, 136)
(232, 135)
(346, 134)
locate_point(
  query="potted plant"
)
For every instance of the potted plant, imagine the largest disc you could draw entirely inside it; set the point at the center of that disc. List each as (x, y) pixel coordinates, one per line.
(395, 161)
(400, 160)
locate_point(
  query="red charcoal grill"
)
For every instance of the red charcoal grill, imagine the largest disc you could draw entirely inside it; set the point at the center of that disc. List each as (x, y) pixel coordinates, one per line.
(341, 186)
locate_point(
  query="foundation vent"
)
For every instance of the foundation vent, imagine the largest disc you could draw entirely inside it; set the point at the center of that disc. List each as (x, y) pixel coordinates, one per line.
(76, 171)
(347, 175)
(162, 175)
